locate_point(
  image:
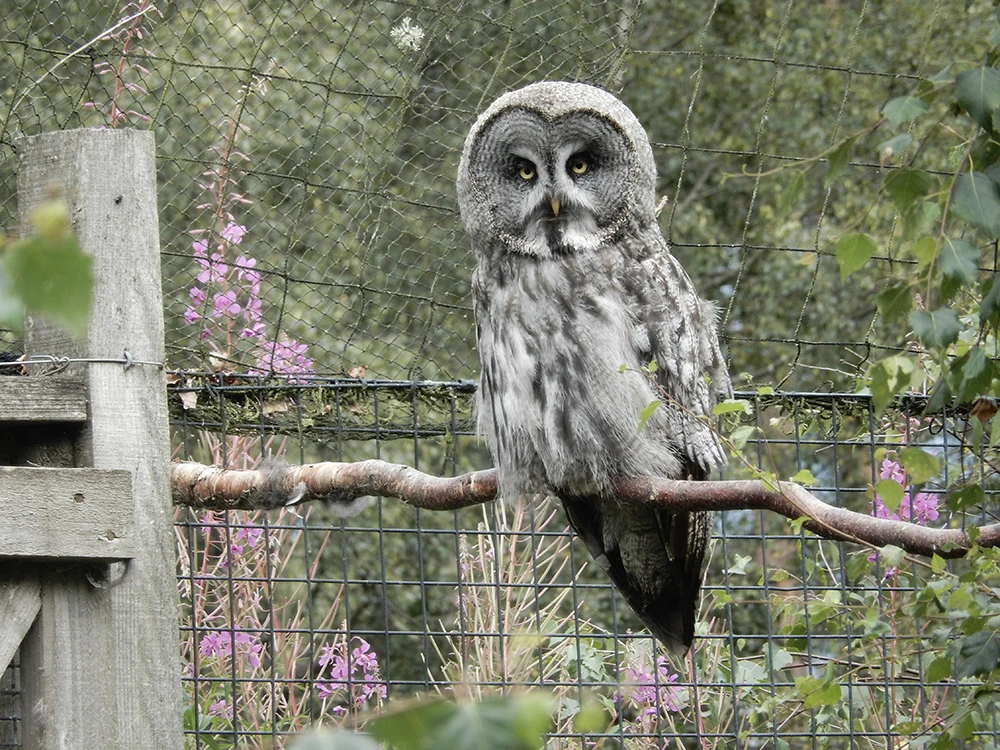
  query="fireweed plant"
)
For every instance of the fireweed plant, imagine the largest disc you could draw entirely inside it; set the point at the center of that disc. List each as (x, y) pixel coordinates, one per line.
(517, 624)
(225, 298)
(260, 658)
(125, 70)
(248, 644)
(256, 661)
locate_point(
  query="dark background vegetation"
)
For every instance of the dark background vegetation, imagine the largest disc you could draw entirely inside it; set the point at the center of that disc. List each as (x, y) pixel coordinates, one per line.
(342, 124)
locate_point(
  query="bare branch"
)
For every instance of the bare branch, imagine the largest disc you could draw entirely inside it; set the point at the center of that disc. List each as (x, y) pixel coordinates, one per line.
(339, 484)
(211, 488)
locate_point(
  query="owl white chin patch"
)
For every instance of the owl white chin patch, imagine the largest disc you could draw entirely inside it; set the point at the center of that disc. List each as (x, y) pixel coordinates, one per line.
(544, 237)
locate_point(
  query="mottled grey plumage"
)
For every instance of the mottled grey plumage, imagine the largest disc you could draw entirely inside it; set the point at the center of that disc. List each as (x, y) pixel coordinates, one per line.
(574, 279)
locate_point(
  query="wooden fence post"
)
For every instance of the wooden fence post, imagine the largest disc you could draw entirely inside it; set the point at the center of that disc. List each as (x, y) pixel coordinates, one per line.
(100, 666)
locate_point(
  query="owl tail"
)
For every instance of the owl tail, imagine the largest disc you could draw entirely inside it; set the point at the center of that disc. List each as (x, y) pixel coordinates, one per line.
(654, 558)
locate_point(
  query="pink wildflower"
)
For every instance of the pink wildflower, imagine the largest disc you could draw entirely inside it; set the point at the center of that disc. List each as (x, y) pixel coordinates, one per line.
(256, 331)
(226, 304)
(921, 508)
(652, 693)
(212, 271)
(222, 709)
(234, 233)
(284, 357)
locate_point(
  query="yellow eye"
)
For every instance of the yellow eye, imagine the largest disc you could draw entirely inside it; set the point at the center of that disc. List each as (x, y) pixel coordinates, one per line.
(579, 165)
(527, 172)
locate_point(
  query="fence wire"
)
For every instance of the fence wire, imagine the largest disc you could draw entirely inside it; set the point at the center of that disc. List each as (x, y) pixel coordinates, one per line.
(307, 155)
(301, 617)
(309, 228)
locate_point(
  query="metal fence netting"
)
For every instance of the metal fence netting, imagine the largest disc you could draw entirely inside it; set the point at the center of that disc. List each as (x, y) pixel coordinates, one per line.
(307, 154)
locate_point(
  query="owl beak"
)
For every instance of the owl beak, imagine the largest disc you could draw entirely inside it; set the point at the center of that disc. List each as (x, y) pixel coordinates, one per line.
(554, 202)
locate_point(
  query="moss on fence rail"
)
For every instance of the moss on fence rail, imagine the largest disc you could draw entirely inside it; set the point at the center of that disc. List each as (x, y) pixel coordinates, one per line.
(350, 409)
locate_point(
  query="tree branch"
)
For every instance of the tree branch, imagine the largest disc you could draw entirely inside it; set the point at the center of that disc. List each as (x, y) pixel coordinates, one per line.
(341, 484)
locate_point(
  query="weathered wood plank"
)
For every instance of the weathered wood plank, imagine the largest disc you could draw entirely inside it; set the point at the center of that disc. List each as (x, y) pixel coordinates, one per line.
(42, 399)
(72, 514)
(130, 629)
(20, 600)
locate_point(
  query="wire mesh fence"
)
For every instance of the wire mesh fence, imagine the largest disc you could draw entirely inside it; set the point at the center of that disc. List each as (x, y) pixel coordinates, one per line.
(307, 154)
(302, 616)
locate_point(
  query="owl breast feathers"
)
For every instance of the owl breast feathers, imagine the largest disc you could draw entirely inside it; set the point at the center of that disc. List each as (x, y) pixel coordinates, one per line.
(583, 320)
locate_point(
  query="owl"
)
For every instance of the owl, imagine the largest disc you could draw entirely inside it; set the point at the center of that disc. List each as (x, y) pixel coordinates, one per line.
(584, 320)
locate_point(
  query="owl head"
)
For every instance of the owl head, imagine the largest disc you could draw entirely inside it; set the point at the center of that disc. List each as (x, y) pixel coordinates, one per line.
(555, 168)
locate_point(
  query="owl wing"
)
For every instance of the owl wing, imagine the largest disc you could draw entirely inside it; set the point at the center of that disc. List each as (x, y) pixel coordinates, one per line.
(655, 557)
(677, 330)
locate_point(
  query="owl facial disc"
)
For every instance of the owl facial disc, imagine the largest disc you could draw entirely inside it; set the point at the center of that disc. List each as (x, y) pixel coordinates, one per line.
(552, 186)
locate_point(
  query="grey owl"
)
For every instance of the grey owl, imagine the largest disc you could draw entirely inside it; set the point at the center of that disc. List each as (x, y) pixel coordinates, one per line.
(573, 280)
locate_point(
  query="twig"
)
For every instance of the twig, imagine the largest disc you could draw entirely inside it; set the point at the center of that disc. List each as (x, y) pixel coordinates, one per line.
(210, 488)
(79, 50)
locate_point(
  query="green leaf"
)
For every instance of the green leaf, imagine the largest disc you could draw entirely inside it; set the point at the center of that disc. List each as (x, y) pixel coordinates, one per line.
(895, 301)
(411, 727)
(836, 162)
(978, 93)
(936, 329)
(857, 565)
(920, 465)
(920, 218)
(890, 492)
(738, 566)
(49, 272)
(591, 718)
(976, 199)
(970, 496)
(804, 477)
(732, 404)
(895, 145)
(505, 723)
(816, 692)
(741, 434)
(501, 723)
(940, 396)
(959, 259)
(326, 739)
(892, 555)
(937, 564)
(925, 250)
(976, 373)
(853, 251)
(889, 376)
(905, 186)
(647, 412)
(749, 672)
(989, 308)
(979, 653)
(779, 659)
(790, 195)
(938, 670)
(903, 109)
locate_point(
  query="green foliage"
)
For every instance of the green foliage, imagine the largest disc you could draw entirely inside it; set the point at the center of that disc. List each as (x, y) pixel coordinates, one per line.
(497, 723)
(349, 153)
(647, 412)
(46, 272)
(853, 251)
(334, 740)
